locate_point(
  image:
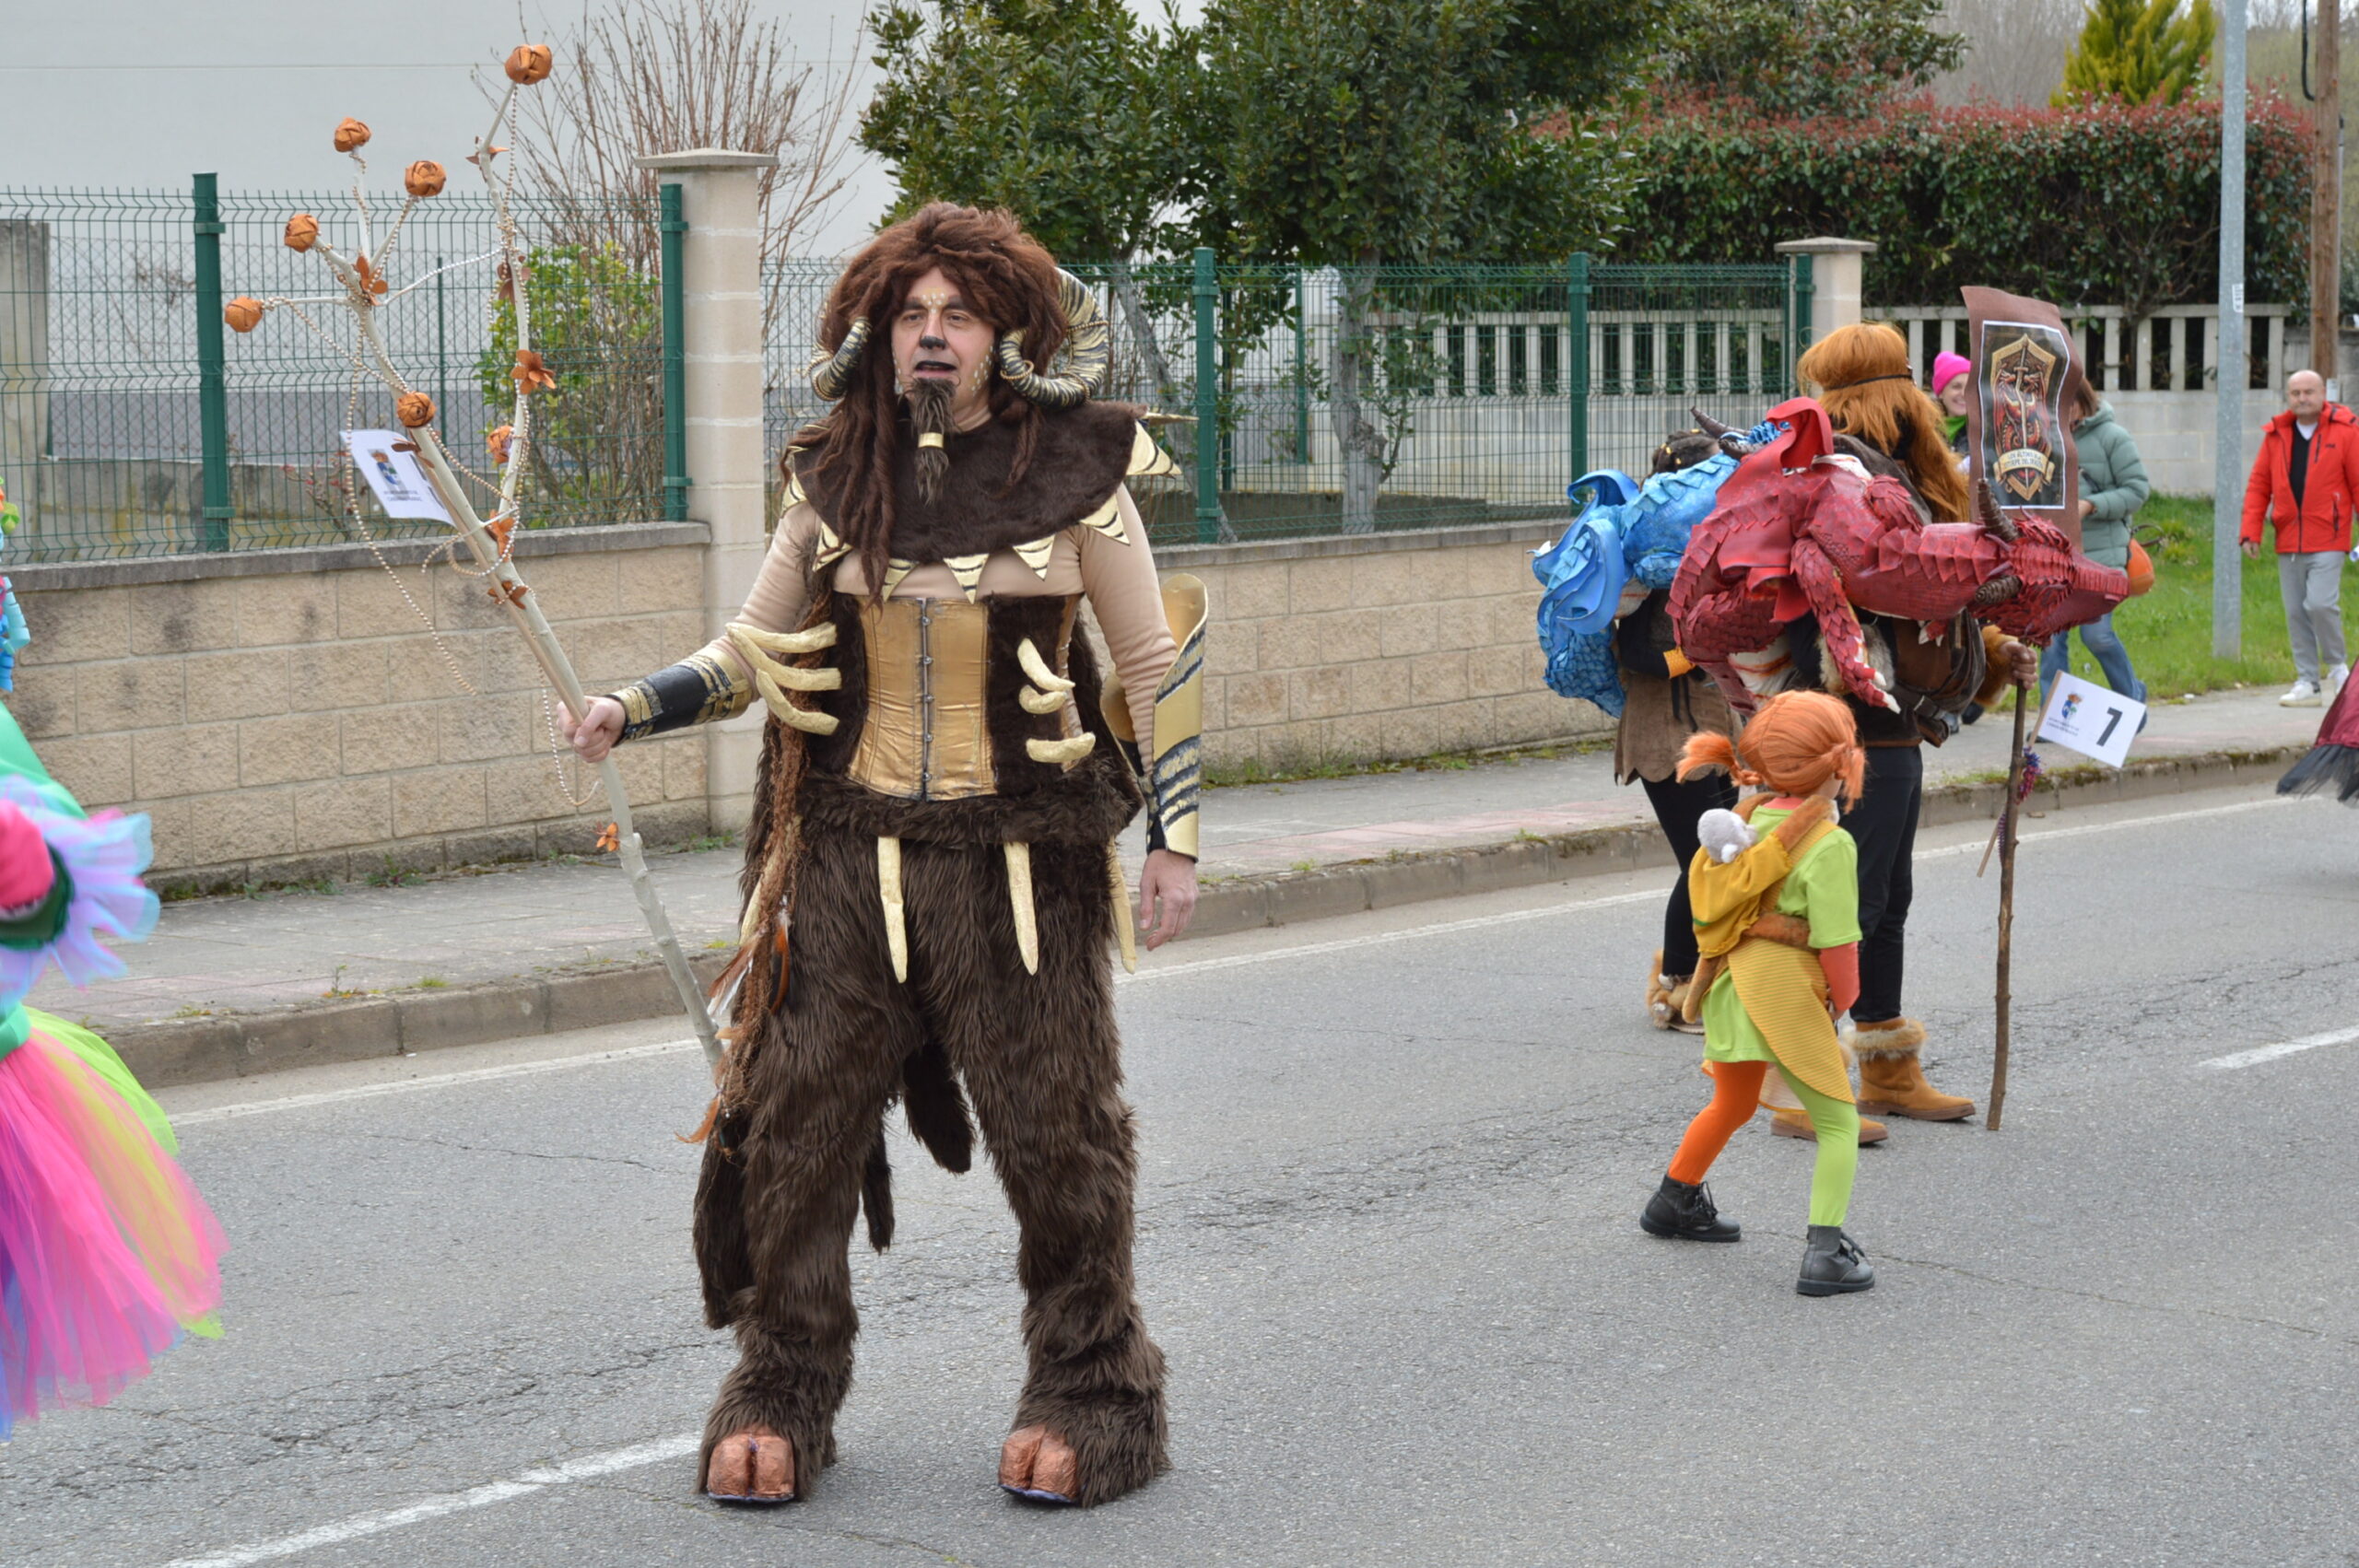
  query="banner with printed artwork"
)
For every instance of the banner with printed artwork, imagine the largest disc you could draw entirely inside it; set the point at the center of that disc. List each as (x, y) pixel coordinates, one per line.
(2027, 382)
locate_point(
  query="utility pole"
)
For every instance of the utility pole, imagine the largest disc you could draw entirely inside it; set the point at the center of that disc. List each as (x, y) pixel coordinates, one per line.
(2233, 370)
(2326, 197)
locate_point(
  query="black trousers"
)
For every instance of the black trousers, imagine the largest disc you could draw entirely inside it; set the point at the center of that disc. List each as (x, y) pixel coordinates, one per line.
(1883, 824)
(1678, 807)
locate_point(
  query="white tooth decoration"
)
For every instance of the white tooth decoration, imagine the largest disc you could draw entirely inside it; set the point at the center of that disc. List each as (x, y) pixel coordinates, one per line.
(1036, 554)
(1036, 669)
(747, 637)
(1065, 752)
(1108, 520)
(1019, 896)
(894, 571)
(1036, 701)
(1148, 460)
(969, 570)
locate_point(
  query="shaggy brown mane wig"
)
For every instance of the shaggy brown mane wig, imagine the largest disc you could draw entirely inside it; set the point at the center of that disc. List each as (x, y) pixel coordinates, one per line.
(1007, 277)
(1862, 371)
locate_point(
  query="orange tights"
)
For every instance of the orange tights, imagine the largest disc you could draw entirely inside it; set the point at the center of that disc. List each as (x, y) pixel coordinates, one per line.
(1736, 1095)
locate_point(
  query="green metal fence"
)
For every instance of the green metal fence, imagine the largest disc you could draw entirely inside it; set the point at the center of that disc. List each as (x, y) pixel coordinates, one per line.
(132, 425)
(1298, 400)
(1465, 393)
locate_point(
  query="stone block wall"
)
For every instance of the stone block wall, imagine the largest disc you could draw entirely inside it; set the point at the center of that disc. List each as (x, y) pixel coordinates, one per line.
(284, 714)
(1376, 647)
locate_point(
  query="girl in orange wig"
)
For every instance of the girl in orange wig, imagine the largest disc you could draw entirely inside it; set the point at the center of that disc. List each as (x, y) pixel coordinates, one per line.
(1776, 892)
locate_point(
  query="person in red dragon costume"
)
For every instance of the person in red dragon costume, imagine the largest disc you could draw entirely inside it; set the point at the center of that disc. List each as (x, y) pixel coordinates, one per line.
(1840, 556)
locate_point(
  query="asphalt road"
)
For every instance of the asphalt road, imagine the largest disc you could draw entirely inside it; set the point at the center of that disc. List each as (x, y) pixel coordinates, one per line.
(1392, 1171)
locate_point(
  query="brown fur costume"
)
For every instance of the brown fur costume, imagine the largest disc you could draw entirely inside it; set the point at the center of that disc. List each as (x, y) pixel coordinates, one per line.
(797, 1148)
(1862, 371)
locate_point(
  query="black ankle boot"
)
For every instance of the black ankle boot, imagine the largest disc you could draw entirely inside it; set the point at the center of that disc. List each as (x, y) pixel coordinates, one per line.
(1833, 1265)
(1686, 1212)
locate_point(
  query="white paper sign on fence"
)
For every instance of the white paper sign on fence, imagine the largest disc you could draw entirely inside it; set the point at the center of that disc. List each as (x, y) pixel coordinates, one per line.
(2092, 720)
(395, 477)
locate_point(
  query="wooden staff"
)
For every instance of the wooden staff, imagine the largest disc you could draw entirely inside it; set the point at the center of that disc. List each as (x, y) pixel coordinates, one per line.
(2006, 914)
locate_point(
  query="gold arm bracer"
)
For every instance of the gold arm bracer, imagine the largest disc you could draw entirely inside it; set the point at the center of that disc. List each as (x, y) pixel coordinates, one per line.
(1175, 777)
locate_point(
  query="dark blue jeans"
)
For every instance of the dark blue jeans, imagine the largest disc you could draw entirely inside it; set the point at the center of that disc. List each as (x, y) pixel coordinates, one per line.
(2105, 646)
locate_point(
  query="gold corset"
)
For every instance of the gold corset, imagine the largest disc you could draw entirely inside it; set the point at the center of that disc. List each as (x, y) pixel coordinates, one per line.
(923, 735)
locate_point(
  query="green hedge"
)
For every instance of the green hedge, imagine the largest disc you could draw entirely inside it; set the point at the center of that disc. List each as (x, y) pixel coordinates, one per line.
(2098, 204)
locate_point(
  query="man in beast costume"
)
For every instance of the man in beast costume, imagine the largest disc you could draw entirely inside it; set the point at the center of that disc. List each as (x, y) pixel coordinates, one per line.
(931, 882)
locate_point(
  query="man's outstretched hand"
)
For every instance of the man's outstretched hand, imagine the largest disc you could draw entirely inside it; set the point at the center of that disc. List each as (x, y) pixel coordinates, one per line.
(1166, 895)
(2022, 664)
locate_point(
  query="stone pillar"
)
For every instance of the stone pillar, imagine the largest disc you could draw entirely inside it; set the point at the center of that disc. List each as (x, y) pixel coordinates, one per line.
(1835, 266)
(722, 295)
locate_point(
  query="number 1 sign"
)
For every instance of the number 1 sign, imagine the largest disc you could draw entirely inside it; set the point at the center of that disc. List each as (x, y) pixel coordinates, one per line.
(2092, 720)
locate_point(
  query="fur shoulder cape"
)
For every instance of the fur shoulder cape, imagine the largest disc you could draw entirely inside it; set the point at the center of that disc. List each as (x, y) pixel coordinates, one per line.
(1082, 458)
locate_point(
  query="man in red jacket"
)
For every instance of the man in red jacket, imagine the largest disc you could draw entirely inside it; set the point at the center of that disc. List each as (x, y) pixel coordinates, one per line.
(2304, 481)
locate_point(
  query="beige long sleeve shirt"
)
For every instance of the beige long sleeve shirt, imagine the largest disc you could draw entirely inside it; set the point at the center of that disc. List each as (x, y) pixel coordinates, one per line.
(1117, 577)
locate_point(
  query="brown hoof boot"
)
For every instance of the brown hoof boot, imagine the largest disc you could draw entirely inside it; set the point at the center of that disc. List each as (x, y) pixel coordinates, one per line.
(753, 1465)
(1794, 1124)
(1892, 1079)
(1035, 1463)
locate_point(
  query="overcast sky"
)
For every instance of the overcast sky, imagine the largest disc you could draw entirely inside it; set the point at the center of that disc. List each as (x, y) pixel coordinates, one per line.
(142, 93)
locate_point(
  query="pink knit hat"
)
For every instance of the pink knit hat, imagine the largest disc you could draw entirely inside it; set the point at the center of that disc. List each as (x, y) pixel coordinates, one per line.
(1947, 367)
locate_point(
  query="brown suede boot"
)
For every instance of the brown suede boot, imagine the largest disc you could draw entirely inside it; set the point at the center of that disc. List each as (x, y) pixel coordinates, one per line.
(1796, 1124)
(1892, 1080)
(1666, 995)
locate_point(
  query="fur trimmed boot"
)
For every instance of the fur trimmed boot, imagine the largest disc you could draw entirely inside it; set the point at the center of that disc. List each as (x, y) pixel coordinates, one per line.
(1892, 1079)
(1789, 1123)
(1666, 998)
(1685, 1214)
(1833, 1265)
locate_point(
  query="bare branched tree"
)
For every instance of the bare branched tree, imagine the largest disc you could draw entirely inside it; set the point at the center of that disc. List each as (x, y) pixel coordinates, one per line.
(637, 77)
(2015, 49)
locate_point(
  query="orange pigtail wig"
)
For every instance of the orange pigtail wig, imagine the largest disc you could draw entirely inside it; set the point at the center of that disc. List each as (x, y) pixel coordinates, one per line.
(1862, 371)
(1796, 743)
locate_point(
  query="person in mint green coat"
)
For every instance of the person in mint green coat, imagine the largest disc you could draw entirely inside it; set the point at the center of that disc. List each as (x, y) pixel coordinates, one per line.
(2113, 487)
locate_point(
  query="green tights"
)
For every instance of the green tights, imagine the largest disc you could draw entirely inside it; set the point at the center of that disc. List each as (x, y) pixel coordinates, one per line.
(1736, 1095)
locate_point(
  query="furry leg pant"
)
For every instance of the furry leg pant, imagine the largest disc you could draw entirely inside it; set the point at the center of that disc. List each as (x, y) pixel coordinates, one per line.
(1041, 1058)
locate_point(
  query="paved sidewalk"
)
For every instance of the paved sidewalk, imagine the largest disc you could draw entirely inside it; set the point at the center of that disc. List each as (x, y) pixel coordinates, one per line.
(216, 957)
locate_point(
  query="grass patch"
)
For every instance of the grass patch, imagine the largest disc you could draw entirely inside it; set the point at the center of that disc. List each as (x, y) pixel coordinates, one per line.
(2168, 631)
(1295, 770)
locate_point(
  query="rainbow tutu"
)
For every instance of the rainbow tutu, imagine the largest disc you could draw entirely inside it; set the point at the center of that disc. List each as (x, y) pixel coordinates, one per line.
(107, 1253)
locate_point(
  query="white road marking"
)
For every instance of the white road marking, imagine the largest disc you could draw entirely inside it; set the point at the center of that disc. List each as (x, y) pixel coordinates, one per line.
(425, 1508)
(432, 1081)
(2259, 1054)
(1158, 972)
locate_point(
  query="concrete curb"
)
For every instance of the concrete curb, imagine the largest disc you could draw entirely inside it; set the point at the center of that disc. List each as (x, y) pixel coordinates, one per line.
(240, 1045)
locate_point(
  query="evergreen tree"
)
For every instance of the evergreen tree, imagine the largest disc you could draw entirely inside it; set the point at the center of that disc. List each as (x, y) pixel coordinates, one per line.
(2140, 51)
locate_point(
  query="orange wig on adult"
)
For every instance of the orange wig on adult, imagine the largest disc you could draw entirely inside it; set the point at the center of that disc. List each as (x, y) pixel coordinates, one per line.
(1861, 373)
(1797, 741)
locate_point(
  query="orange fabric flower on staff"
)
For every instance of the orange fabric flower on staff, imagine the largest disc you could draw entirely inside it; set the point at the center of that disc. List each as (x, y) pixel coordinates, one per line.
(530, 373)
(416, 410)
(529, 63)
(302, 231)
(610, 840)
(424, 177)
(243, 313)
(370, 282)
(499, 440)
(350, 135)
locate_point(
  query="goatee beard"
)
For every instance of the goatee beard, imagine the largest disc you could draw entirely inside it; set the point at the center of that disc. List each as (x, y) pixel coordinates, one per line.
(929, 404)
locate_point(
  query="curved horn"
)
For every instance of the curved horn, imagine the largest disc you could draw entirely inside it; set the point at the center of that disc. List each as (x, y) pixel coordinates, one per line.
(1711, 426)
(1089, 352)
(1994, 521)
(831, 373)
